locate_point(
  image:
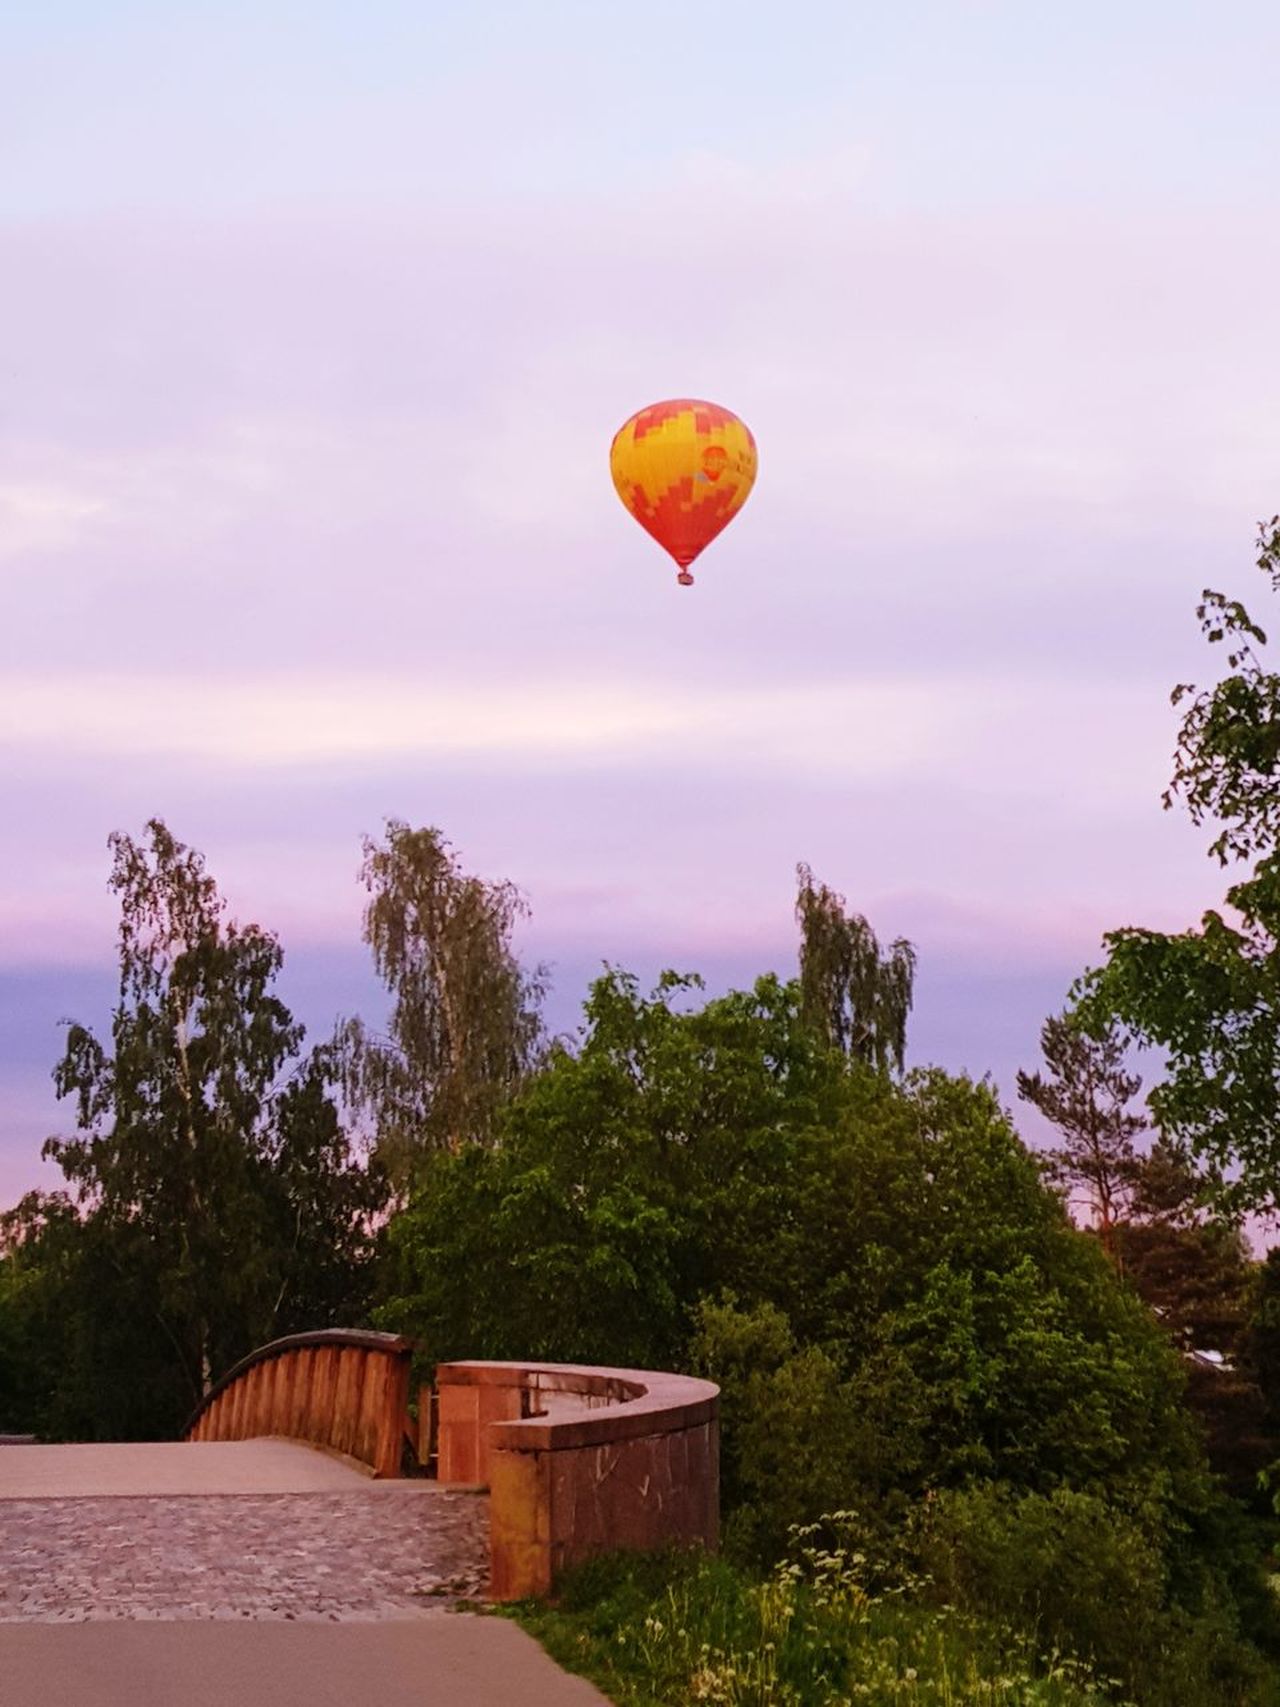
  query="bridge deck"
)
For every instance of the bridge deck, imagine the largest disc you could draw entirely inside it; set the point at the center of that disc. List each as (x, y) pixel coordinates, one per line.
(256, 1573)
(236, 1529)
(175, 1467)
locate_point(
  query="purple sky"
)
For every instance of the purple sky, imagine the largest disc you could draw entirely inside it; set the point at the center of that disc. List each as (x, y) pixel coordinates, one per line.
(317, 324)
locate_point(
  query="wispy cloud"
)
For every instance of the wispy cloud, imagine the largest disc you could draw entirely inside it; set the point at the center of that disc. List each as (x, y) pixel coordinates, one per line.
(867, 730)
(37, 519)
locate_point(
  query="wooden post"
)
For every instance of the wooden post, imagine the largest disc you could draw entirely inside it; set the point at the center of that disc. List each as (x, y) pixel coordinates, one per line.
(426, 1432)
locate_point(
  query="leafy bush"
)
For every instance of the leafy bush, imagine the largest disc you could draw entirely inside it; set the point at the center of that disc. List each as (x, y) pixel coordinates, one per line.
(1080, 1574)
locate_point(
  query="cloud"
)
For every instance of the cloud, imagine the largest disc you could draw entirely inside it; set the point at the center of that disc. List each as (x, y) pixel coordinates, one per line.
(354, 443)
(306, 520)
(286, 721)
(915, 732)
(38, 519)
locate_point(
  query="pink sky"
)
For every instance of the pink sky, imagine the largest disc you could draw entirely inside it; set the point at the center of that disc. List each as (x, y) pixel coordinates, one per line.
(305, 517)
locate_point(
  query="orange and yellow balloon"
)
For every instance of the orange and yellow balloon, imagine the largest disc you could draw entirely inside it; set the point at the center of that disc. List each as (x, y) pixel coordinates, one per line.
(684, 469)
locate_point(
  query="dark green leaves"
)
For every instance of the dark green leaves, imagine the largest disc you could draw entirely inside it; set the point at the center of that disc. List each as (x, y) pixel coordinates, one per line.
(220, 1202)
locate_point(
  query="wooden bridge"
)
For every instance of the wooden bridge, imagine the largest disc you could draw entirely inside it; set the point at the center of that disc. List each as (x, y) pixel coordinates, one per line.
(297, 1548)
(578, 1460)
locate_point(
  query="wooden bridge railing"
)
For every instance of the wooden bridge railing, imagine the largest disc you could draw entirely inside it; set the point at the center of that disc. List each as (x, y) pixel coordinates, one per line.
(343, 1388)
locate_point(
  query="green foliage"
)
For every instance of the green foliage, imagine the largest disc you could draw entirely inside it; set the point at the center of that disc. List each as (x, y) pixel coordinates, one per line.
(464, 1028)
(891, 1299)
(678, 1630)
(1260, 1341)
(896, 1308)
(218, 1200)
(1188, 1268)
(856, 997)
(323, 1201)
(91, 1358)
(798, 1435)
(1087, 1576)
(1209, 998)
(1228, 756)
(969, 1596)
(589, 1230)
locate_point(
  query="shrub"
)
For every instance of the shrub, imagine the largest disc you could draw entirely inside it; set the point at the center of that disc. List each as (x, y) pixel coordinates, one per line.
(1080, 1575)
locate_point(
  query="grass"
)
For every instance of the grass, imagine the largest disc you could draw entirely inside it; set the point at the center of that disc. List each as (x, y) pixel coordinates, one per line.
(675, 1629)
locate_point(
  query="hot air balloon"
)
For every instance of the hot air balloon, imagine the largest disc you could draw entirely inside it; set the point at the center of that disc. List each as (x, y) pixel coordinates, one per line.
(684, 469)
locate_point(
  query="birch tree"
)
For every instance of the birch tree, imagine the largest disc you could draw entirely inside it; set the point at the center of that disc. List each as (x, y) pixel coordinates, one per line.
(852, 992)
(464, 1028)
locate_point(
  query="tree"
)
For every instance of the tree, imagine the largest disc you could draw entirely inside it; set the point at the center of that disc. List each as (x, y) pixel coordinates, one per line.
(38, 1240)
(1209, 998)
(1192, 1270)
(217, 1195)
(682, 1156)
(326, 1205)
(855, 996)
(79, 1297)
(1188, 1268)
(1260, 1349)
(873, 1270)
(465, 1027)
(1087, 1094)
(170, 1118)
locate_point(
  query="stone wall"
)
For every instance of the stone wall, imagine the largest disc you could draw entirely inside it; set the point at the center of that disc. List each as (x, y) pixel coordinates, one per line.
(578, 1461)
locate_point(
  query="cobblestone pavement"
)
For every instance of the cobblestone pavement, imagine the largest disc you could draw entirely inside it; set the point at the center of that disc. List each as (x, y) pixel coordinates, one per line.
(370, 1554)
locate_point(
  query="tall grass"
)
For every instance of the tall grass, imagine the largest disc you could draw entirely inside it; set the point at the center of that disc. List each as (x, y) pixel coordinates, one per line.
(671, 1630)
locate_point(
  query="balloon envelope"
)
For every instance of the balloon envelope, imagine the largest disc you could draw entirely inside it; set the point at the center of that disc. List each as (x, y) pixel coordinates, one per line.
(684, 469)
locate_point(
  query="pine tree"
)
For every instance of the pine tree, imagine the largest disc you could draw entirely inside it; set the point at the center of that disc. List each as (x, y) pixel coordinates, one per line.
(1086, 1093)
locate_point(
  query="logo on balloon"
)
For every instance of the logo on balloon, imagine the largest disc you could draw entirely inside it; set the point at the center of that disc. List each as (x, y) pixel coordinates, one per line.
(715, 460)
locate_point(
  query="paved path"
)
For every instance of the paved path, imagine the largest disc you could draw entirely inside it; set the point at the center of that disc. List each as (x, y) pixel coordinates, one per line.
(279, 1556)
(439, 1660)
(250, 1574)
(177, 1467)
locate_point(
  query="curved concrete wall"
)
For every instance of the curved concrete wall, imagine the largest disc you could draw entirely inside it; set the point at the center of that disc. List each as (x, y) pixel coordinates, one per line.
(342, 1388)
(580, 1460)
